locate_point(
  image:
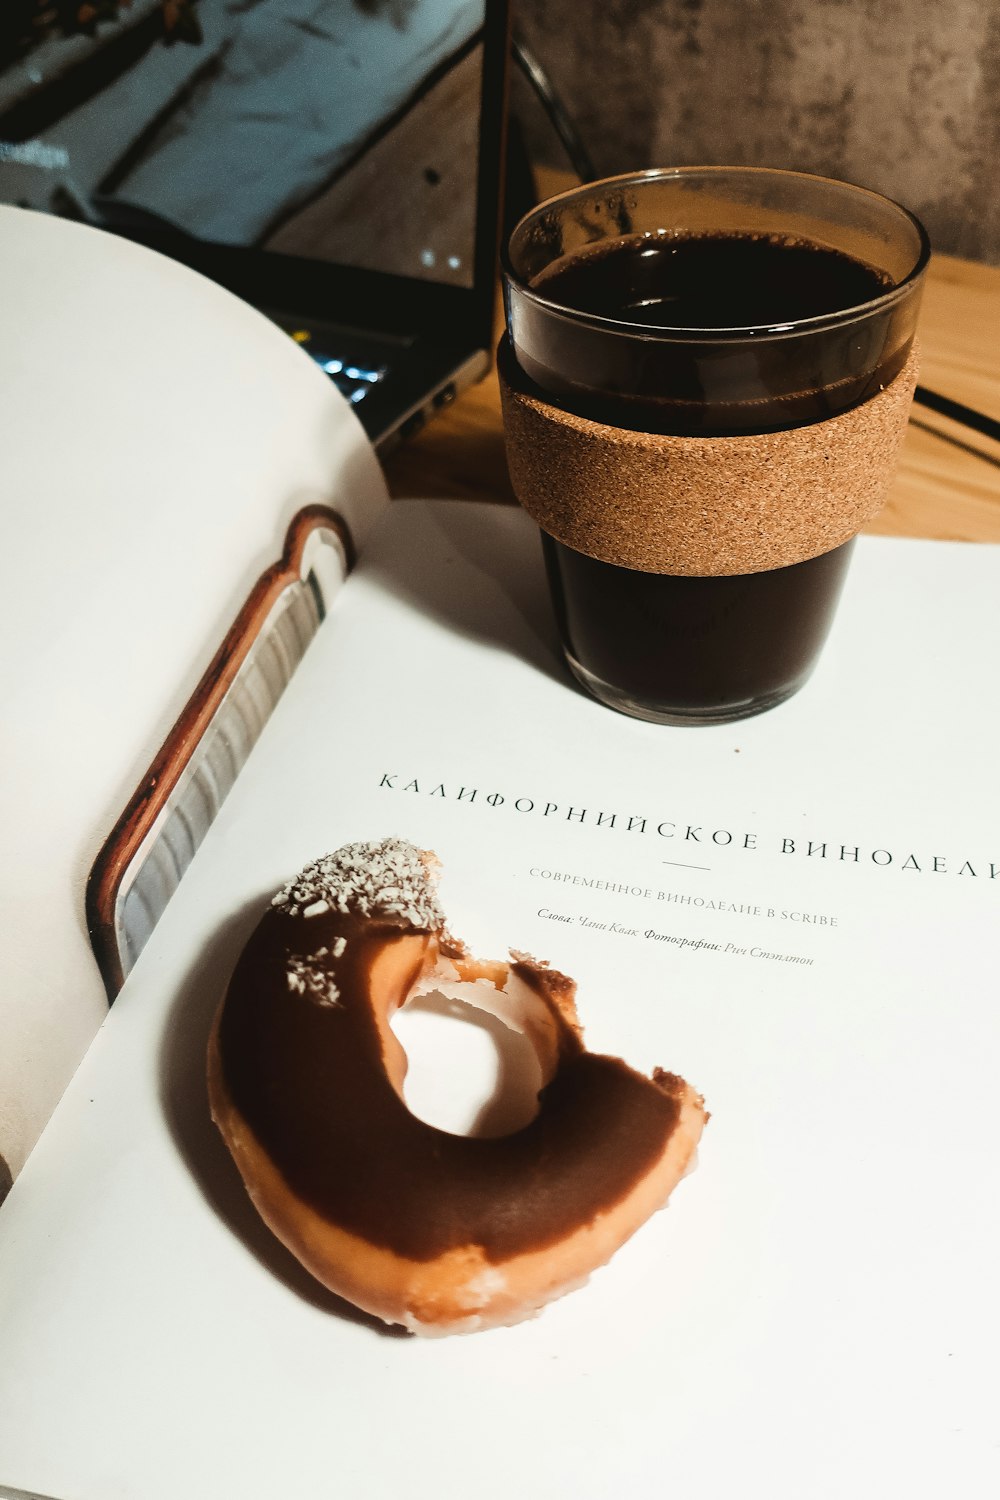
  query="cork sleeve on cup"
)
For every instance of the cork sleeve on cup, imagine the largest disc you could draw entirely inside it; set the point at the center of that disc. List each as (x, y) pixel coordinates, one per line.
(702, 506)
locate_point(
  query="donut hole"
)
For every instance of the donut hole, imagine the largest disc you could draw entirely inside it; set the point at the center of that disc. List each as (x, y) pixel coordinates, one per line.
(469, 1071)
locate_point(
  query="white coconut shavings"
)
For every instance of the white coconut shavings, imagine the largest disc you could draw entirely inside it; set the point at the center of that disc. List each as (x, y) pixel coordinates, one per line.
(308, 975)
(389, 879)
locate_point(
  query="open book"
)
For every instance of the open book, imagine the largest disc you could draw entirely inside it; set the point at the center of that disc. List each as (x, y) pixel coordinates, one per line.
(183, 492)
(799, 913)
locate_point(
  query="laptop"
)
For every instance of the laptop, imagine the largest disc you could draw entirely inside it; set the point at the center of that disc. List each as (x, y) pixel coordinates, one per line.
(337, 163)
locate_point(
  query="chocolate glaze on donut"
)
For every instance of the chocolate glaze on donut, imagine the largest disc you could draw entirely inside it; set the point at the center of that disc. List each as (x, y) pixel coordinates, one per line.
(304, 1066)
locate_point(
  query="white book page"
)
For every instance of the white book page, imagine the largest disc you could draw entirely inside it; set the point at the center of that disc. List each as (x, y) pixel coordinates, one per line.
(798, 913)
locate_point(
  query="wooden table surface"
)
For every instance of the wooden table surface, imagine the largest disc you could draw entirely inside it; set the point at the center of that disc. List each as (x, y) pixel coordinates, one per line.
(948, 483)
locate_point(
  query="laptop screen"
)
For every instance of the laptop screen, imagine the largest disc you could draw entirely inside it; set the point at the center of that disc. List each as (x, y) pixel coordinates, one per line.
(343, 132)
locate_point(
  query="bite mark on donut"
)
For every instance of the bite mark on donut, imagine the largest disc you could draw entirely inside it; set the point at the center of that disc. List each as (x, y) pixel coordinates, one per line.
(438, 1232)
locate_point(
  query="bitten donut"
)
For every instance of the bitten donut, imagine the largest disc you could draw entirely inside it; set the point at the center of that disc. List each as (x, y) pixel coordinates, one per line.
(439, 1232)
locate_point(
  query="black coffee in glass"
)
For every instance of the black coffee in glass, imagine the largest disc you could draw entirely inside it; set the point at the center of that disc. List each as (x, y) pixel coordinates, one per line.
(710, 303)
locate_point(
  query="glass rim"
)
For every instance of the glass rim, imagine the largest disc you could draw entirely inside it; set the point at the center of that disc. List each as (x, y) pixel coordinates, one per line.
(755, 332)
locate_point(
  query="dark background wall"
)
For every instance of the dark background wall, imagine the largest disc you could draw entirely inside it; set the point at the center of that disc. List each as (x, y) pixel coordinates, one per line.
(900, 95)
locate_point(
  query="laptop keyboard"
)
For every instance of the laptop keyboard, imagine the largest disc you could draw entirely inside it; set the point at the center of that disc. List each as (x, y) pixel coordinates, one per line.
(353, 373)
(354, 381)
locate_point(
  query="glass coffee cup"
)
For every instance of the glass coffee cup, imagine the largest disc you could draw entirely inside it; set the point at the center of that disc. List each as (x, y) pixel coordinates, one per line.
(706, 377)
